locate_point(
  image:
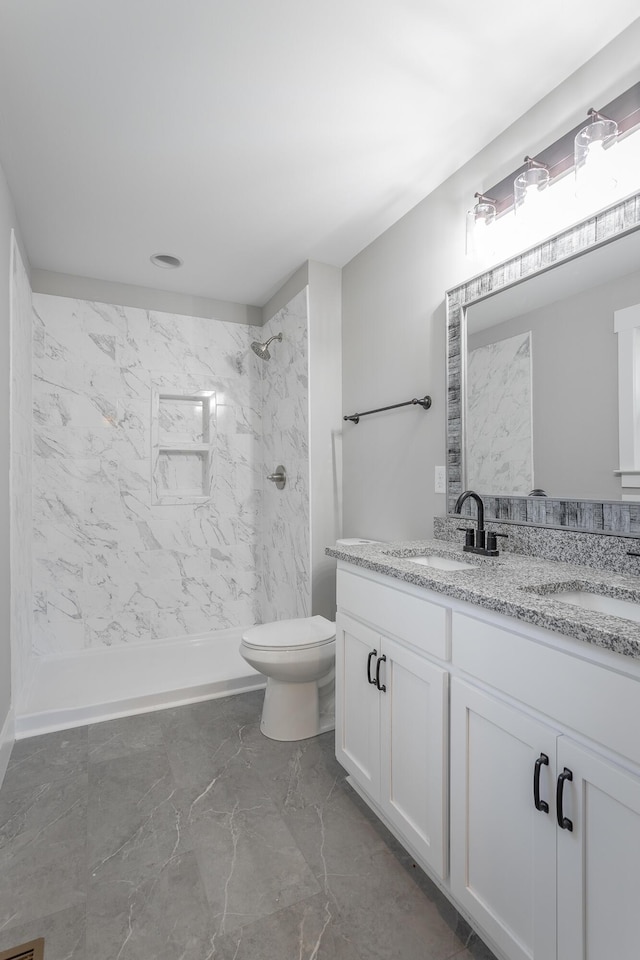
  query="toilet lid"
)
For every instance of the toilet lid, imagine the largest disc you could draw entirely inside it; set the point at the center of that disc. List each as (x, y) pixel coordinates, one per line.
(301, 632)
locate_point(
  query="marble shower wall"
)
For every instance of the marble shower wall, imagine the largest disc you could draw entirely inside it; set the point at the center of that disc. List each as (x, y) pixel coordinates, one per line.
(286, 567)
(499, 417)
(21, 471)
(109, 566)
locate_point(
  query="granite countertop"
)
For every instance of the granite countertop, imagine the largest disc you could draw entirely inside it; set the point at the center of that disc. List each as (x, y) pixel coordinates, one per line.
(516, 586)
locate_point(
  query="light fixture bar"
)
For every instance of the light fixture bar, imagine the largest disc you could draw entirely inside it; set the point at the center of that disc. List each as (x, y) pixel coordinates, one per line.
(483, 198)
(558, 157)
(536, 164)
(596, 115)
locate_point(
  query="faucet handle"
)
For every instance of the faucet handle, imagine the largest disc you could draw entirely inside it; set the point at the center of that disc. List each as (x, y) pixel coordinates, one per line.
(469, 536)
(491, 539)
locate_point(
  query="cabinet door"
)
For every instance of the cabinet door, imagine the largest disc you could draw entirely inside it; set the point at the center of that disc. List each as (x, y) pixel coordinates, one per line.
(413, 724)
(357, 703)
(599, 860)
(503, 850)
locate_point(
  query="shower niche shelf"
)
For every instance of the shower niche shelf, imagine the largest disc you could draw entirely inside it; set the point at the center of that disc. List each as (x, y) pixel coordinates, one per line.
(183, 433)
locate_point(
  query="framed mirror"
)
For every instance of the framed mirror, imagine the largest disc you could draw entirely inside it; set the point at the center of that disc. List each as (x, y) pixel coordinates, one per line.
(533, 385)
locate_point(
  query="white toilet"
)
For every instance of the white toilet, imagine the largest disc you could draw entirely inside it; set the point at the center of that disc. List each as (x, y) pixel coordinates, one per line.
(298, 659)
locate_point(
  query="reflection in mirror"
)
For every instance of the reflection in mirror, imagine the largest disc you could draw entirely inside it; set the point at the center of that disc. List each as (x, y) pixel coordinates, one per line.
(499, 414)
(541, 384)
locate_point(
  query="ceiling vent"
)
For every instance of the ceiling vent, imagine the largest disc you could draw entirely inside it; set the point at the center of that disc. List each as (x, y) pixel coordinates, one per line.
(166, 260)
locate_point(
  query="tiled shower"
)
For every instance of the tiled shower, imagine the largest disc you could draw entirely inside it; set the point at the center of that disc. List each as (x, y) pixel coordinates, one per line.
(118, 401)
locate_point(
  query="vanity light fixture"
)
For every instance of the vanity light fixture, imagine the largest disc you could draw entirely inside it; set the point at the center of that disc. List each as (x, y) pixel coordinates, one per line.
(594, 169)
(600, 176)
(484, 212)
(530, 199)
(479, 218)
(529, 184)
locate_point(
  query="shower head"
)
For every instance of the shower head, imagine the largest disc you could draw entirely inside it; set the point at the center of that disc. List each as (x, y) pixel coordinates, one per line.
(262, 349)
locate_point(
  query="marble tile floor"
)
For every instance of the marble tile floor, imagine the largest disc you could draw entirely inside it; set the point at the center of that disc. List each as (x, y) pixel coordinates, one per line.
(187, 835)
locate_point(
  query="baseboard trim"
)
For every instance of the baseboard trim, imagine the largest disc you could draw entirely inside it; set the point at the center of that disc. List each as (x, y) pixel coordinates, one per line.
(7, 738)
(71, 690)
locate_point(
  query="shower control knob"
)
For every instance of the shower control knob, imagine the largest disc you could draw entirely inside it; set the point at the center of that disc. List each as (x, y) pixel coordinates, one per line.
(279, 476)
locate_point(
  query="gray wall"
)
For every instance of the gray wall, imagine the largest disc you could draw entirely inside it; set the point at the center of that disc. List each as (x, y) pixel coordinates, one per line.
(7, 222)
(324, 283)
(296, 282)
(394, 317)
(127, 295)
(325, 404)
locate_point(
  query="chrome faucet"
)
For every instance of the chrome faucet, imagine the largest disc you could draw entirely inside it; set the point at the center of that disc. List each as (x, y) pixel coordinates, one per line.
(482, 542)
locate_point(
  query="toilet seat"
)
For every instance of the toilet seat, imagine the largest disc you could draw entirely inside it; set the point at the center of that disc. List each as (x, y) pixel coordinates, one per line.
(282, 648)
(298, 659)
(299, 634)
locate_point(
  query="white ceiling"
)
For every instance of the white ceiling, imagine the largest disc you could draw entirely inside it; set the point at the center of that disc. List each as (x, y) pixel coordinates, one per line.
(246, 136)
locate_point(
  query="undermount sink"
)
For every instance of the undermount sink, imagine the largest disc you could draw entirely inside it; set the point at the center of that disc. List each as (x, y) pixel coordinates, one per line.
(440, 563)
(614, 606)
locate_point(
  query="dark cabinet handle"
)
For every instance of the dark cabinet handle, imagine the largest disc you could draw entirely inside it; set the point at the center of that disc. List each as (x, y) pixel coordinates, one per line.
(380, 686)
(372, 654)
(542, 805)
(563, 821)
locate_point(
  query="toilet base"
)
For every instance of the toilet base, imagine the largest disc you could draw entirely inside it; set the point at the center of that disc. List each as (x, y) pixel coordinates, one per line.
(290, 710)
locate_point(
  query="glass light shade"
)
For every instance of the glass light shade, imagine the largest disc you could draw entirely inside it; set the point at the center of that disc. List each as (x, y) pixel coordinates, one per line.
(484, 213)
(594, 160)
(528, 188)
(479, 219)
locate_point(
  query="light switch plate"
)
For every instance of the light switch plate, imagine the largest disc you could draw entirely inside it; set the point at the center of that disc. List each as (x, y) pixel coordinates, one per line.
(440, 479)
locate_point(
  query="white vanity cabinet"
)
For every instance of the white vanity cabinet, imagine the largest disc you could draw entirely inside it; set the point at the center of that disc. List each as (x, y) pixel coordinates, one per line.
(545, 830)
(599, 860)
(391, 713)
(505, 757)
(503, 868)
